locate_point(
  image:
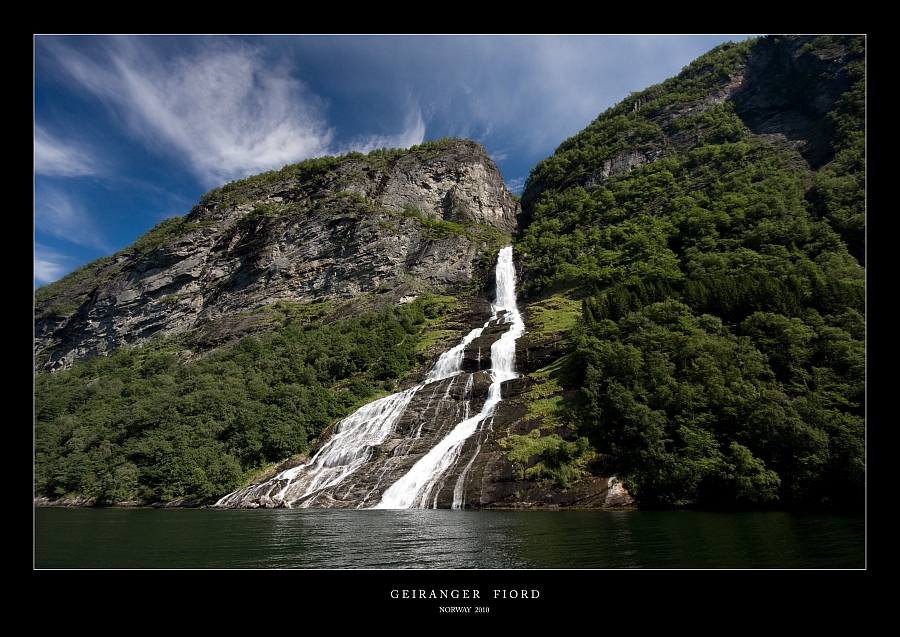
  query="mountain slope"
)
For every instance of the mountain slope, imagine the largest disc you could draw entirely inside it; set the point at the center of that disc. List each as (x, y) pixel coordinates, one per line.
(712, 228)
(390, 224)
(231, 338)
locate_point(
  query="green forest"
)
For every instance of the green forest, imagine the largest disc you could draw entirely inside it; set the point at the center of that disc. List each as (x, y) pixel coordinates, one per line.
(143, 424)
(722, 337)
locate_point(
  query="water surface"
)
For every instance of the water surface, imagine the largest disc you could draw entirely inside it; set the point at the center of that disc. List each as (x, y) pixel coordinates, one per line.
(442, 539)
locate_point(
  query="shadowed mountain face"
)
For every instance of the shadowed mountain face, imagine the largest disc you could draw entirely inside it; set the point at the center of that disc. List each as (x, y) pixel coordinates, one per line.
(781, 90)
(788, 90)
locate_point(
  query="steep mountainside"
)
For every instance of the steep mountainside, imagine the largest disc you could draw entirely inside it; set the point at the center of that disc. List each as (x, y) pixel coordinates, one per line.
(691, 282)
(390, 224)
(712, 228)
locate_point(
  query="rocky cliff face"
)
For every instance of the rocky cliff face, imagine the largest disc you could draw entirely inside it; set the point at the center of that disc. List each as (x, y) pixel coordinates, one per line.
(389, 226)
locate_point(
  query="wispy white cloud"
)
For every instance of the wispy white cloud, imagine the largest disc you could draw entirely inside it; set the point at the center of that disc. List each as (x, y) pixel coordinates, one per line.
(413, 133)
(499, 155)
(49, 265)
(57, 159)
(224, 107)
(516, 186)
(57, 214)
(535, 89)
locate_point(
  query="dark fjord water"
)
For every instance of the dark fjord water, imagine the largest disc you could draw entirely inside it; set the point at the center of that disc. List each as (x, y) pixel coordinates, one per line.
(443, 539)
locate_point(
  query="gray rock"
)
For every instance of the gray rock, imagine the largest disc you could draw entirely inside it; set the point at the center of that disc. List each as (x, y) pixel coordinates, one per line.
(622, 163)
(350, 231)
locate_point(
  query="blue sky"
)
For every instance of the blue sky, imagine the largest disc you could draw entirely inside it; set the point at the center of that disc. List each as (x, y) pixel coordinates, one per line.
(131, 130)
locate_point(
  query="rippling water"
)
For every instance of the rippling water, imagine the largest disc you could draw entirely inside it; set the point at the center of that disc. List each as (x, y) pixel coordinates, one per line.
(443, 539)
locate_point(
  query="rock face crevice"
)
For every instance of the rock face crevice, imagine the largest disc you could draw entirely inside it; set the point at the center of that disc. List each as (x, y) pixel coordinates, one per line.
(624, 162)
(347, 231)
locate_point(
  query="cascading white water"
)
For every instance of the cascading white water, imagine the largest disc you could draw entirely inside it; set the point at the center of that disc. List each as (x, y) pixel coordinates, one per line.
(354, 438)
(414, 489)
(350, 446)
(450, 362)
(346, 451)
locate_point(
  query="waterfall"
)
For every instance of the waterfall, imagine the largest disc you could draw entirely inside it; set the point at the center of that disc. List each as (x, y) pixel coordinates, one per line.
(330, 477)
(450, 362)
(351, 444)
(414, 489)
(348, 449)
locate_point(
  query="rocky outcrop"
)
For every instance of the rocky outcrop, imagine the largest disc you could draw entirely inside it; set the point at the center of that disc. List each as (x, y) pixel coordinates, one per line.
(461, 185)
(388, 228)
(782, 91)
(622, 163)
